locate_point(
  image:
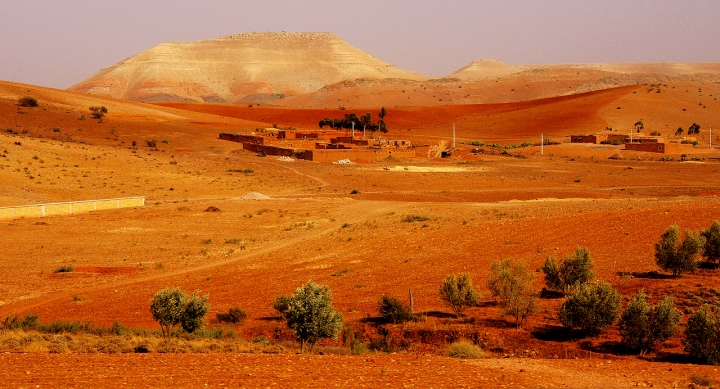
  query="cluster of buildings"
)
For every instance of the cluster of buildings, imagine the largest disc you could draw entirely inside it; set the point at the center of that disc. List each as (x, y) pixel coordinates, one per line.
(651, 144)
(324, 146)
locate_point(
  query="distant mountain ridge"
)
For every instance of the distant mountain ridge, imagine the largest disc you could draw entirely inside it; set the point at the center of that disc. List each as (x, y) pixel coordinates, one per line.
(270, 66)
(233, 67)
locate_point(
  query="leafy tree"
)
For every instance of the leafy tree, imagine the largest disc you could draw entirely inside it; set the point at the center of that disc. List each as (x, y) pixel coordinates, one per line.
(381, 121)
(711, 250)
(393, 310)
(281, 304)
(678, 256)
(193, 317)
(512, 282)
(311, 316)
(458, 293)
(172, 306)
(575, 270)
(27, 101)
(591, 307)
(694, 129)
(702, 336)
(639, 126)
(98, 112)
(643, 326)
(679, 131)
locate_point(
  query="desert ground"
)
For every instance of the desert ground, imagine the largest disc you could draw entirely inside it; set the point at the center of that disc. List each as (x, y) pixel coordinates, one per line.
(278, 224)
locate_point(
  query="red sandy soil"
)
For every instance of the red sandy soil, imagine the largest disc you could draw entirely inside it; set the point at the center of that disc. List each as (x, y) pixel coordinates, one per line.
(312, 228)
(398, 370)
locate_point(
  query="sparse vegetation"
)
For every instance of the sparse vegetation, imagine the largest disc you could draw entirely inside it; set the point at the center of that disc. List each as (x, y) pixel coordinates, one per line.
(643, 326)
(311, 316)
(171, 307)
(27, 101)
(512, 282)
(65, 269)
(233, 316)
(711, 249)
(676, 255)
(414, 218)
(392, 310)
(465, 350)
(591, 307)
(702, 336)
(574, 271)
(98, 112)
(458, 293)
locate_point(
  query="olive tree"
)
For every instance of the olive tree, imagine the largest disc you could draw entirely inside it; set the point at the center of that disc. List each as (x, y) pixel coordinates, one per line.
(574, 270)
(512, 282)
(676, 254)
(702, 336)
(458, 293)
(591, 307)
(643, 326)
(311, 316)
(711, 250)
(171, 307)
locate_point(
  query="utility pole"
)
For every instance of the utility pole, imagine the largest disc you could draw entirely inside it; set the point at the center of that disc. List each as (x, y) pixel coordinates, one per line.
(710, 136)
(542, 144)
(353, 131)
(453, 135)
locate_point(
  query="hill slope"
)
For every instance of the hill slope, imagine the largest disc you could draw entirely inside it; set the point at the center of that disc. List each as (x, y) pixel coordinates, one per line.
(253, 66)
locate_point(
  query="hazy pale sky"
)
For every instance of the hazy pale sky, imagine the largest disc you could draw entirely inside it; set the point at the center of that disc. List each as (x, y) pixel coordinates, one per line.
(58, 43)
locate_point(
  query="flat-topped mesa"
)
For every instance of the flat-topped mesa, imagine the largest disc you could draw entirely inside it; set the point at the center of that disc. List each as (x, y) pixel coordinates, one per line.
(258, 66)
(280, 36)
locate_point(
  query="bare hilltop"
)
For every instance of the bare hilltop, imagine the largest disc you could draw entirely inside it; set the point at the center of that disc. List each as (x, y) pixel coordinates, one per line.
(240, 67)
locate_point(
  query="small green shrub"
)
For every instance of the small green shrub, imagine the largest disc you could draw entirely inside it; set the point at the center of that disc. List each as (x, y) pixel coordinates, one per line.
(512, 282)
(151, 143)
(458, 293)
(98, 112)
(392, 310)
(465, 350)
(27, 101)
(354, 191)
(65, 269)
(281, 304)
(414, 218)
(233, 315)
(700, 380)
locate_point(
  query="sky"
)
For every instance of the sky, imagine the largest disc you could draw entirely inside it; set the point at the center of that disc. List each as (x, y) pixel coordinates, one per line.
(58, 43)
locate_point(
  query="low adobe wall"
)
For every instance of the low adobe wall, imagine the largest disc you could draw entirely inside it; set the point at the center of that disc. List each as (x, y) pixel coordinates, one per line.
(667, 148)
(646, 147)
(355, 155)
(268, 150)
(240, 138)
(69, 208)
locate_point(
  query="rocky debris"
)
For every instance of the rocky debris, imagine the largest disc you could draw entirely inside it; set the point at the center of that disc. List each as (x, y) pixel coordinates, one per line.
(285, 159)
(344, 162)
